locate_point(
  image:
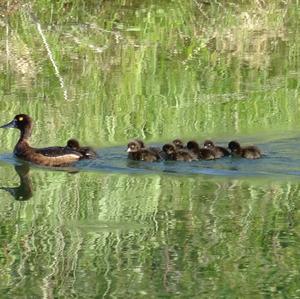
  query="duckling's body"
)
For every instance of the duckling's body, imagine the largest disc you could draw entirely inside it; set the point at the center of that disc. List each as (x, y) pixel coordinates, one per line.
(174, 154)
(218, 151)
(139, 153)
(178, 144)
(248, 152)
(202, 153)
(86, 151)
(50, 156)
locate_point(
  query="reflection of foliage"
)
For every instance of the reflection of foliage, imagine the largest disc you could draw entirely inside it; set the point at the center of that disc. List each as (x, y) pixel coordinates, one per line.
(155, 234)
(137, 69)
(251, 33)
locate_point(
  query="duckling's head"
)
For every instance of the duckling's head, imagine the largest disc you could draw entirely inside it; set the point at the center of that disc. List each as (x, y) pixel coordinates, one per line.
(178, 143)
(209, 144)
(169, 148)
(192, 145)
(20, 121)
(234, 146)
(140, 142)
(133, 146)
(73, 144)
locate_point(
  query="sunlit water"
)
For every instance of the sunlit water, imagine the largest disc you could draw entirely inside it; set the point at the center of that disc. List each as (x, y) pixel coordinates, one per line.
(130, 228)
(115, 228)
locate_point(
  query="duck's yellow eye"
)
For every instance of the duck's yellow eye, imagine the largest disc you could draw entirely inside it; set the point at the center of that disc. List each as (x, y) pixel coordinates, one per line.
(21, 118)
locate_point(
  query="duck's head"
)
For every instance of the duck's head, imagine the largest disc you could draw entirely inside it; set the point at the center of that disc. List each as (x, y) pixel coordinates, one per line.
(234, 146)
(169, 148)
(178, 143)
(133, 146)
(192, 145)
(20, 121)
(140, 142)
(73, 144)
(208, 144)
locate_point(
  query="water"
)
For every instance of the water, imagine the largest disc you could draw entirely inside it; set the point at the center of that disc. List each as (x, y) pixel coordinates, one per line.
(113, 228)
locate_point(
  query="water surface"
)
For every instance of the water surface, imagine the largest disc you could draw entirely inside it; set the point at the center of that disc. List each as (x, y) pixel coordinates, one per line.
(105, 72)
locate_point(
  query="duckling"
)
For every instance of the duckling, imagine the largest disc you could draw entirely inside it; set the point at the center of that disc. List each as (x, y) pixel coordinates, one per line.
(86, 151)
(202, 153)
(55, 156)
(136, 152)
(218, 151)
(177, 154)
(178, 143)
(248, 152)
(154, 149)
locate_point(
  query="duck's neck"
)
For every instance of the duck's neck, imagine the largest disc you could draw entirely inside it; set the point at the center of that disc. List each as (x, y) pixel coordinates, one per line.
(25, 133)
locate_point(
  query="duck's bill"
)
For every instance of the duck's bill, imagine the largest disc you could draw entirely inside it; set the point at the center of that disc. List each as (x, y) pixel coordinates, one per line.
(12, 124)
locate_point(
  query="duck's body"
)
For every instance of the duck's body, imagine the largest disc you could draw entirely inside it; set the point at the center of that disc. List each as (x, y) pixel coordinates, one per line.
(50, 156)
(86, 151)
(248, 152)
(137, 151)
(174, 154)
(202, 153)
(218, 151)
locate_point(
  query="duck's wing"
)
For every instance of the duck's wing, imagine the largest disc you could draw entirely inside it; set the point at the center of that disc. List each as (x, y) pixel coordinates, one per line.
(57, 151)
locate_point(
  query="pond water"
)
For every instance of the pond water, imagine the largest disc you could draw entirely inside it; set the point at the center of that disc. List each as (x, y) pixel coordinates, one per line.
(105, 72)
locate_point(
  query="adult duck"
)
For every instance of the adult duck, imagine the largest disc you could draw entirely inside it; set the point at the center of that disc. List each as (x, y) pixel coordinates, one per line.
(50, 156)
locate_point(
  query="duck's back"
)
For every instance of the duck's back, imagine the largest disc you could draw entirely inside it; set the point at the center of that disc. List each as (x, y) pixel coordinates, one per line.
(251, 152)
(220, 152)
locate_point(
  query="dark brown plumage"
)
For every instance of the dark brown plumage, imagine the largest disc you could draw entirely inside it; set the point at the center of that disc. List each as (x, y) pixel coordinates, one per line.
(51, 156)
(139, 153)
(177, 154)
(218, 151)
(86, 151)
(248, 152)
(202, 153)
(178, 143)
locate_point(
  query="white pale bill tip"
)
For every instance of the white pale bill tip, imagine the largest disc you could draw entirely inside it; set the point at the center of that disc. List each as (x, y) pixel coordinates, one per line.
(128, 150)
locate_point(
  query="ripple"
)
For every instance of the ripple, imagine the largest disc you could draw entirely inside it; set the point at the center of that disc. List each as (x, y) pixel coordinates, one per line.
(281, 157)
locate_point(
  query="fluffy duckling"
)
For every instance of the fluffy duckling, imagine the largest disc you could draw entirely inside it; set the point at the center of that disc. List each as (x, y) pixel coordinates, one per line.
(218, 151)
(178, 143)
(202, 153)
(177, 154)
(248, 152)
(139, 153)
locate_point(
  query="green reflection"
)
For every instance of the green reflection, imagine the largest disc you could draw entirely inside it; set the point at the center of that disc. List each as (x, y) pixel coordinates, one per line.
(154, 70)
(149, 235)
(151, 70)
